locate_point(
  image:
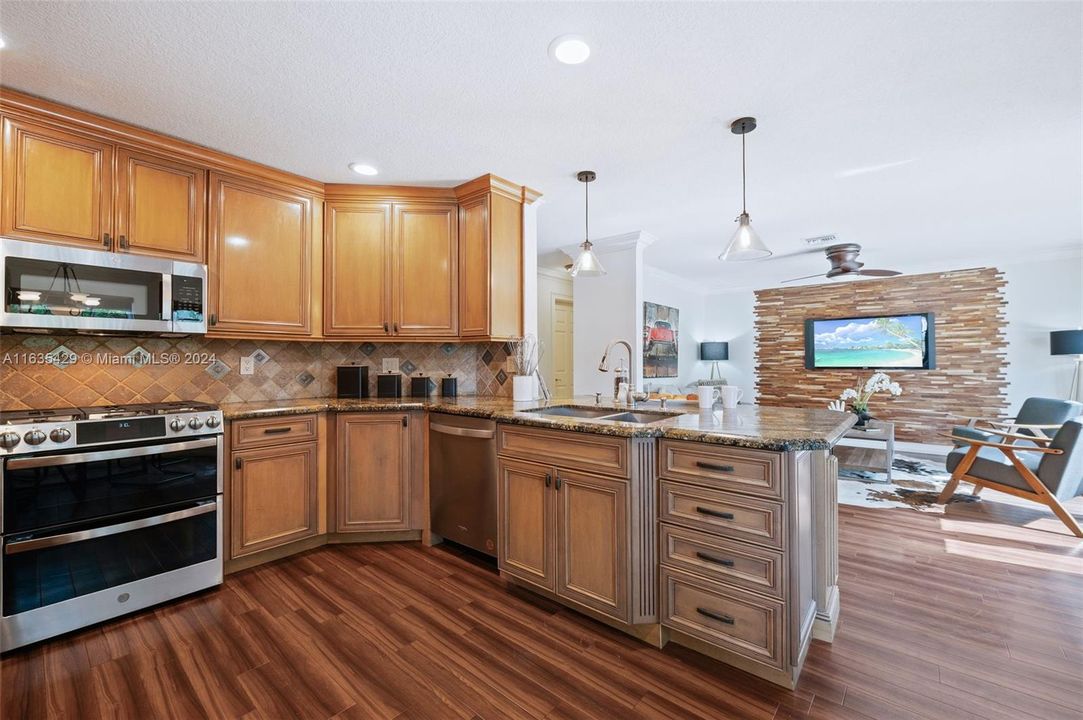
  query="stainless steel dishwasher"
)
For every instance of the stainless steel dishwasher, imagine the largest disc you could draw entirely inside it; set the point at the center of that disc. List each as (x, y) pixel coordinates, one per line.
(462, 480)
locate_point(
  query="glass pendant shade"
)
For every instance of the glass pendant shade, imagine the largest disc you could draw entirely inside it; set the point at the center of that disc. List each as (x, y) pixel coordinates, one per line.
(587, 264)
(746, 243)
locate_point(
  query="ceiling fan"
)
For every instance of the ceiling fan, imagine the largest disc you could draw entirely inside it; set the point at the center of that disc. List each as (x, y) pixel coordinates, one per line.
(843, 259)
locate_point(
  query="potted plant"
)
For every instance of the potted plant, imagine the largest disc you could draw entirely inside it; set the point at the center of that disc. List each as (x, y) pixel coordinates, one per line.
(859, 398)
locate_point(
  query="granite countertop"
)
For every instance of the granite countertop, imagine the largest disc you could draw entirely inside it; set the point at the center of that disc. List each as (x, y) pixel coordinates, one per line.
(750, 426)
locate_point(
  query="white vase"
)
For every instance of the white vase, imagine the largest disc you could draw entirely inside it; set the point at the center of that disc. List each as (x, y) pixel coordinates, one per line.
(522, 388)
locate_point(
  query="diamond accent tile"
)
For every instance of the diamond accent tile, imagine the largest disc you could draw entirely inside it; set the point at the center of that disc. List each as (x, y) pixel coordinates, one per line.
(61, 357)
(501, 377)
(487, 356)
(305, 379)
(218, 369)
(137, 357)
(507, 348)
(408, 367)
(260, 357)
(448, 348)
(368, 348)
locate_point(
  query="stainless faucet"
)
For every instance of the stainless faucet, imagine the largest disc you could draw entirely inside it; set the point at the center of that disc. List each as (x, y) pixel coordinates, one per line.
(603, 366)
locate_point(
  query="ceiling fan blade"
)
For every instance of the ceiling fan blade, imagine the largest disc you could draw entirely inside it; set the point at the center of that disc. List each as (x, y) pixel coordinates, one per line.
(878, 273)
(807, 277)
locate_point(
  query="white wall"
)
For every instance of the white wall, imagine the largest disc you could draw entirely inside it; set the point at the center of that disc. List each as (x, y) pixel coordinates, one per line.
(1043, 295)
(666, 289)
(728, 317)
(552, 283)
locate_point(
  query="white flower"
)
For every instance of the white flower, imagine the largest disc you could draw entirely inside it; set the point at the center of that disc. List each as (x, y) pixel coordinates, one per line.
(848, 394)
(895, 389)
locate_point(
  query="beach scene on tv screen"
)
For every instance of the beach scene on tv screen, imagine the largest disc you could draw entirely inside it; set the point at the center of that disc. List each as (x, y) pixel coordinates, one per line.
(883, 342)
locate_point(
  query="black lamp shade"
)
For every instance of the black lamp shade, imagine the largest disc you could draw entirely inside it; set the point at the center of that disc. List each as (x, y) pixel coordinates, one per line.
(714, 351)
(1066, 342)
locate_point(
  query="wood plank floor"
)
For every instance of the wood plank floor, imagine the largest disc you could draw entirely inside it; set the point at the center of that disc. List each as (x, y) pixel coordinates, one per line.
(976, 614)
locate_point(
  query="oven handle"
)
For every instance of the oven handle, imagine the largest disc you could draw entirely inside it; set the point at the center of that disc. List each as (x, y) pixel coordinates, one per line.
(77, 458)
(21, 546)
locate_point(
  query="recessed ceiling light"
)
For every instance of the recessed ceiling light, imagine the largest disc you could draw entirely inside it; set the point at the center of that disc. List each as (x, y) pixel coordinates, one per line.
(569, 49)
(362, 169)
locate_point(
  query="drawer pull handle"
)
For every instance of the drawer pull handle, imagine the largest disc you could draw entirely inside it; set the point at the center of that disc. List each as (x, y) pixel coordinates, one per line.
(548, 479)
(238, 463)
(276, 430)
(559, 482)
(716, 616)
(713, 466)
(714, 513)
(715, 560)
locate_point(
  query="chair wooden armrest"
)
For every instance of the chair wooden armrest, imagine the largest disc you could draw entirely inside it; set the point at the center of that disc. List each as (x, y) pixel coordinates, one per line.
(1004, 446)
(1016, 436)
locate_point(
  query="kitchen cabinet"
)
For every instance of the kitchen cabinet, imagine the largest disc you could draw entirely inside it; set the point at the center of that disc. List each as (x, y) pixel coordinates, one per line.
(160, 206)
(57, 185)
(426, 275)
(357, 269)
(373, 475)
(260, 256)
(490, 259)
(273, 497)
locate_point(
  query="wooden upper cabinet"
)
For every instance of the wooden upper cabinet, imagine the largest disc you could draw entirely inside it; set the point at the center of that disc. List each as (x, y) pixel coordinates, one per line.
(357, 269)
(160, 206)
(57, 185)
(474, 261)
(372, 474)
(259, 258)
(426, 275)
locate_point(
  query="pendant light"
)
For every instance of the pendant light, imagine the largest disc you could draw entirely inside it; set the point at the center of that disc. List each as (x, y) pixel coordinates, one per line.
(746, 244)
(587, 264)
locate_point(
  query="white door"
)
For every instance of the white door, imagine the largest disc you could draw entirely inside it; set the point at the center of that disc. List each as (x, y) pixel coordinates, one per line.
(562, 348)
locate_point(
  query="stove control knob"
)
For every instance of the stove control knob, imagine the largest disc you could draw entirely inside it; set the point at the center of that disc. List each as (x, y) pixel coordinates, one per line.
(195, 423)
(60, 435)
(34, 437)
(213, 421)
(177, 424)
(9, 440)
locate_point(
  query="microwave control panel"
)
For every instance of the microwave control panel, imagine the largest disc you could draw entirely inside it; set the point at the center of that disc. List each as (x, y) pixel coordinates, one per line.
(188, 298)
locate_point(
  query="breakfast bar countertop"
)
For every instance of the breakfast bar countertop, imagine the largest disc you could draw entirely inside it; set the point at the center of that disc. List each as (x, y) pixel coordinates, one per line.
(751, 426)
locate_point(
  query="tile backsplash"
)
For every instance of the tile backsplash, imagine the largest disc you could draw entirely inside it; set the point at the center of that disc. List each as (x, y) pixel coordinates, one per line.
(43, 371)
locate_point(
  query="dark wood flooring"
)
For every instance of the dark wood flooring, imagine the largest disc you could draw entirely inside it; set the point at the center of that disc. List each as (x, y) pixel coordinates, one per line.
(977, 614)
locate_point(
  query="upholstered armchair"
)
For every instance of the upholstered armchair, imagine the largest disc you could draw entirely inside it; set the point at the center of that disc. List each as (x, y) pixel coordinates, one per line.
(1038, 417)
(1046, 470)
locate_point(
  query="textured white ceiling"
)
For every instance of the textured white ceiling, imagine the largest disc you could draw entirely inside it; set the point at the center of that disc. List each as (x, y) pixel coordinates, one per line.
(966, 116)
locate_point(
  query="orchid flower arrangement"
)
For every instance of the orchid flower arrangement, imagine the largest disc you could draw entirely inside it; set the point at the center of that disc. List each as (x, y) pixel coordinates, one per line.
(877, 382)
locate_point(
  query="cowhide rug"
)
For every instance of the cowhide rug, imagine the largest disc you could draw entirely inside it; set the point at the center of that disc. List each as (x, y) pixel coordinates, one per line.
(915, 483)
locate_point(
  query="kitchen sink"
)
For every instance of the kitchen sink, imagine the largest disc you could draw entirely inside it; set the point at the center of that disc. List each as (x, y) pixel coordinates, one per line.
(642, 417)
(570, 411)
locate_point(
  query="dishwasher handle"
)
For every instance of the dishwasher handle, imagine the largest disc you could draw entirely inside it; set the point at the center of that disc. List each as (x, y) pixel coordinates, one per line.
(462, 432)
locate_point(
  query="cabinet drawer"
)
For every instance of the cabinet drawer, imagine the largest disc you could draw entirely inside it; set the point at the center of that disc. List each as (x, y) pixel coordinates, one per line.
(726, 561)
(727, 514)
(582, 451)
(735, 620)
(755, 472)
(262, 432)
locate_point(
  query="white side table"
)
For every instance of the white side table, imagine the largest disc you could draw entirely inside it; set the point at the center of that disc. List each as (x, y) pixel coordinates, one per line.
(868, 458)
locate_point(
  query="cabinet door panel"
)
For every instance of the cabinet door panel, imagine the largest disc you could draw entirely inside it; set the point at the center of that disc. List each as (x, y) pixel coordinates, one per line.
(474, 268)
(592, 521)
(272, 497)
(373, 473)
(57, 186)
(426, 273)
(357, 269)
(526, 541)
(161, 206)
(260, 258)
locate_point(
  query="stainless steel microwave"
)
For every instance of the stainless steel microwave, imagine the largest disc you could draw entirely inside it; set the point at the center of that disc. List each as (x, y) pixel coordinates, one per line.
(54, 288)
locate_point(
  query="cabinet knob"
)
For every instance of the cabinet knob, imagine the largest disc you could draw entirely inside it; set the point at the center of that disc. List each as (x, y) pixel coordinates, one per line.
(123, 239)
(559, 481)
(548, 479)
(107, 241)
(396, 326)
(386, 328)
(238, 463)
(214, 319)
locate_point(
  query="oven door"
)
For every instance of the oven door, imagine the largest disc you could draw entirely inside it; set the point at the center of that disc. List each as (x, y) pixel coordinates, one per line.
(55, 490)
(61, 581)
(52, 287)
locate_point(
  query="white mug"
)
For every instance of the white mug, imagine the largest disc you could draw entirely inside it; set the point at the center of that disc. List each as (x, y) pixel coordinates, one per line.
(730, 395)
(707, 396)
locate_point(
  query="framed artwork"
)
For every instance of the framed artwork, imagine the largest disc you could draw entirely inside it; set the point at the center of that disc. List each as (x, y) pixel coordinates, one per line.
(661, 327)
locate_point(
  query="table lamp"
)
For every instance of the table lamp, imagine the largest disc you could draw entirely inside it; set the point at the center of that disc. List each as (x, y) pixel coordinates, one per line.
(713, 352)
(1070, 342)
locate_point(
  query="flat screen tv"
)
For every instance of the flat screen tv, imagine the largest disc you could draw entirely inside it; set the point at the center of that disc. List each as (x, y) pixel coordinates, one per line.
(902, 342)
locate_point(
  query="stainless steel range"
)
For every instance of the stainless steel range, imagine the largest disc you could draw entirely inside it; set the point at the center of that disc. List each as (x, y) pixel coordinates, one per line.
(105, 510)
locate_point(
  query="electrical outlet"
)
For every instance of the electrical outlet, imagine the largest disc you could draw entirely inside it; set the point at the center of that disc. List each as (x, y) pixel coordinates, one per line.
(248, 365)
(390, 365)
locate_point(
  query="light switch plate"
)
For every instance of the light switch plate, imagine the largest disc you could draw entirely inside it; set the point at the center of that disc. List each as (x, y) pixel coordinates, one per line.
(390, 365)
(248, 365)
(510, 367)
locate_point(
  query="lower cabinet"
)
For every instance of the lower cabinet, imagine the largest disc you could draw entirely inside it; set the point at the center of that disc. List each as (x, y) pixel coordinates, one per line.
(273, 497)
(566, 532)
(373, 472)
